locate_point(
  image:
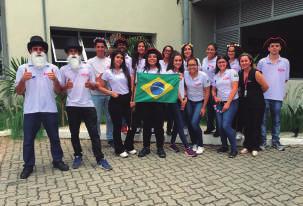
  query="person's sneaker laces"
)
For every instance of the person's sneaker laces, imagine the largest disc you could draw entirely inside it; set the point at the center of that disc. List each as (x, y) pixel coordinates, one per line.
(104, 165)
(77, 162)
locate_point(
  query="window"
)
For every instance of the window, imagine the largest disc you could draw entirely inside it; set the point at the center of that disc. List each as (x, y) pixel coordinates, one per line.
(60, 36)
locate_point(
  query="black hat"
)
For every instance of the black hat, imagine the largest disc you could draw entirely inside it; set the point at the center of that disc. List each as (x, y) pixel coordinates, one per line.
(277, 39)
(37, 41)
(120, 40)
(73, 43)
(153, 51)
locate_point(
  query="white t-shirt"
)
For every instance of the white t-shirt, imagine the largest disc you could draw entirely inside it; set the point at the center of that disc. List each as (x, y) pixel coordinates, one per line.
(117, 81)
(99, 65)
(199, 65)
(235, 65)
(209, 67)
(128, 63)
(140, 65)
(223, 83)
(196, 85)
(79, 95)
(276, 76)
(39, 90)
(163, 65)
(153, 71)
(181, 83)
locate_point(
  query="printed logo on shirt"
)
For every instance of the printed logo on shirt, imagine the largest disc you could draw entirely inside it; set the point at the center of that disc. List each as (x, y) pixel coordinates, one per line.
(226, 78)
(84, 74)
(210, 67)
(197, 84)
(281, 69)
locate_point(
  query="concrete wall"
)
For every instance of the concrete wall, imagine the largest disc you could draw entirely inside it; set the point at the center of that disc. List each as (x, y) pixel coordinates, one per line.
(160, 17)
(202, 28)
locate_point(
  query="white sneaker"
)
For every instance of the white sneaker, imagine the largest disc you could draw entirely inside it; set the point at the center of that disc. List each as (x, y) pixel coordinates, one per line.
(244, 151)
(133, 152)
(254, 153)
(239, 136)
(200, 150)
(185, 131)
(195, 147)
(123, 154)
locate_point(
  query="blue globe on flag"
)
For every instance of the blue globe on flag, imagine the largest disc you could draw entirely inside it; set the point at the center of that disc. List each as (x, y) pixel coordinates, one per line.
(157, 88)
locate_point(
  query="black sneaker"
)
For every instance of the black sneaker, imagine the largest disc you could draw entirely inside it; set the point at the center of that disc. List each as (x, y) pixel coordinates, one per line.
(110, 143)
(233, 154)
(61, 166)
(26, 172)
(216, 134)
(278, 146)
(208, 131)
(161, 153)
(222, 150)
(145, 151)
(138, 130)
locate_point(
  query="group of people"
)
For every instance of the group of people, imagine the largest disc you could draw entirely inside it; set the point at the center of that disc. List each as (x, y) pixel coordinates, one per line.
(228, 90)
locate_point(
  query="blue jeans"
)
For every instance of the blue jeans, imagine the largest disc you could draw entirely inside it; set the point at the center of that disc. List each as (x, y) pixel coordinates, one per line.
(225, 121)
(274, 107)
(193, 117)
(174, 109)
(101, 104)
(31, 125)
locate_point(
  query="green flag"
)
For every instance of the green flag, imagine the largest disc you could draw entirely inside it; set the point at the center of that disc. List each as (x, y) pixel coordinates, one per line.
(157, 88)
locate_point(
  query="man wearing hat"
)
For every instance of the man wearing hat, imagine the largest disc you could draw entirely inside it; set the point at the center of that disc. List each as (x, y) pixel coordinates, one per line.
(77, 81)
(39, 81)
(276, 72)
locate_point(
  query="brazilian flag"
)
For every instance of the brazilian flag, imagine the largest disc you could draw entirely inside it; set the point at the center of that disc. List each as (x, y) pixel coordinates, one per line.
(157, 88)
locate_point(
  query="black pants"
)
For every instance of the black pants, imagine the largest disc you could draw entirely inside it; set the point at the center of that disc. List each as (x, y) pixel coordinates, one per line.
(89, 116)
(153, 117)
(211, 114)
(119, 108)
(252, 127)
(169, 118)
(135, 120)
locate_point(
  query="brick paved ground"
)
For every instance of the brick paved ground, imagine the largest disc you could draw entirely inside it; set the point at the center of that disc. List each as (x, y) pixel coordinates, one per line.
(272, 178)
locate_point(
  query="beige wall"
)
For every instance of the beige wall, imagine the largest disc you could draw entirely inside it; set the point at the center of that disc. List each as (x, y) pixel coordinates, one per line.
(160, 17)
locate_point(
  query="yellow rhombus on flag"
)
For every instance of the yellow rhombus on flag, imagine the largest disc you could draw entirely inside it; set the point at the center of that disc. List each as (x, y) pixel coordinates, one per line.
(157, 86)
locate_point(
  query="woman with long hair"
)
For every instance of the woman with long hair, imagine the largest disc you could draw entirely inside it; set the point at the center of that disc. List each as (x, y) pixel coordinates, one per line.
(252, 85)
(209, 67)
(119, 79)
(176, 110)
(187, 52)
(225, 95)
(166, 55)
(153, 112)
(197, 85)
(138, 63)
